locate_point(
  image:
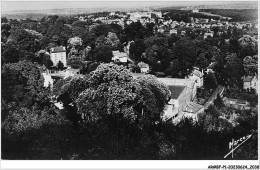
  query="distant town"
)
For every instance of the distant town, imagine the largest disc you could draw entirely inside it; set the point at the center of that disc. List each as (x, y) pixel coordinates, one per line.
(164, 83)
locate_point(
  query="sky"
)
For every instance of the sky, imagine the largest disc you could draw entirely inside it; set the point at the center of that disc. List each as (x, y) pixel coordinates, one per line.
(43, 5)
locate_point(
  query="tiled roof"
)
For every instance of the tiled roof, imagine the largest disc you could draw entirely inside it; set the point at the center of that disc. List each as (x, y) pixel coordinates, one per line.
(240, 101)
(178, 82)
(143, 65)
(58, 49)
(119, 54)
(197, 73)
(248, 78)
(176, 86)
(176, 91)
(193, 107)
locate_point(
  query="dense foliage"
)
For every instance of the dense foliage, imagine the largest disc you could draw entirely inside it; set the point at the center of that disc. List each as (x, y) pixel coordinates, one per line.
(105, 112)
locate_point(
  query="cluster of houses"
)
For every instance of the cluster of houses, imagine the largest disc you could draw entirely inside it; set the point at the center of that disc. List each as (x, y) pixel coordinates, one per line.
(58, 54)
(120, 19)
(183, 91)
(205, 26)
(183, 94)
(173, 27)
(250, 82)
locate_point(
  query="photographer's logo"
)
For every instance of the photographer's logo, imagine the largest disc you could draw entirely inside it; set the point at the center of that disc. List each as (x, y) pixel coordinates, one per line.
(236, 144)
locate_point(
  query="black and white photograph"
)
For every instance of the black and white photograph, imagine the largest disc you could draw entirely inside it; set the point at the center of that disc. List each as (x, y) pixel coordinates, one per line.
(130, 80)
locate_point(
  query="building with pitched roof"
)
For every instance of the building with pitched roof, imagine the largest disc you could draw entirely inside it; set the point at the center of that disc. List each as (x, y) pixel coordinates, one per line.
(236, 103)
(191, 110)
(119, 56)
(173, 31)
(250, 82)
(208, 34)
(197, 76)
(183, 92)
(48, 81)
(181, 105)
(195, 10)
(58, 54)
(143, 67)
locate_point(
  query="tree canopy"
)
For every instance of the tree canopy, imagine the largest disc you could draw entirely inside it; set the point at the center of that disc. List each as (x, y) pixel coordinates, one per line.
(112, 91)
(103, 54)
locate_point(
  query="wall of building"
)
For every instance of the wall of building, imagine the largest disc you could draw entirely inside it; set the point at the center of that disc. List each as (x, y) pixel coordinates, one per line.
(253, 84)
(171, 111)
(47, 80)
(144, 70)
(199, 81)
(180, 104)
(56, 57)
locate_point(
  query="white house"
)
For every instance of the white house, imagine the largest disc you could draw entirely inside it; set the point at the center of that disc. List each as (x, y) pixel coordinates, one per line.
(119, 56)
(58, 54)
(239, 25)
(143, 67)
(250, 82)
(197, 76)
(81, 18)
(48, 81)
(208, 34)
(160, 30)
(183, 91)
(173, 31)
(174, 24)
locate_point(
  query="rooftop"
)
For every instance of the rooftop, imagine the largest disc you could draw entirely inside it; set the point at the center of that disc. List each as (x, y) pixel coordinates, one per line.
(176, 91)
(248, 78)
(197, 73)
(58, 49)
(235, 100)
(72, 70)
(142, 65)
(121, 56)
(178, 82)
(193, 107)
